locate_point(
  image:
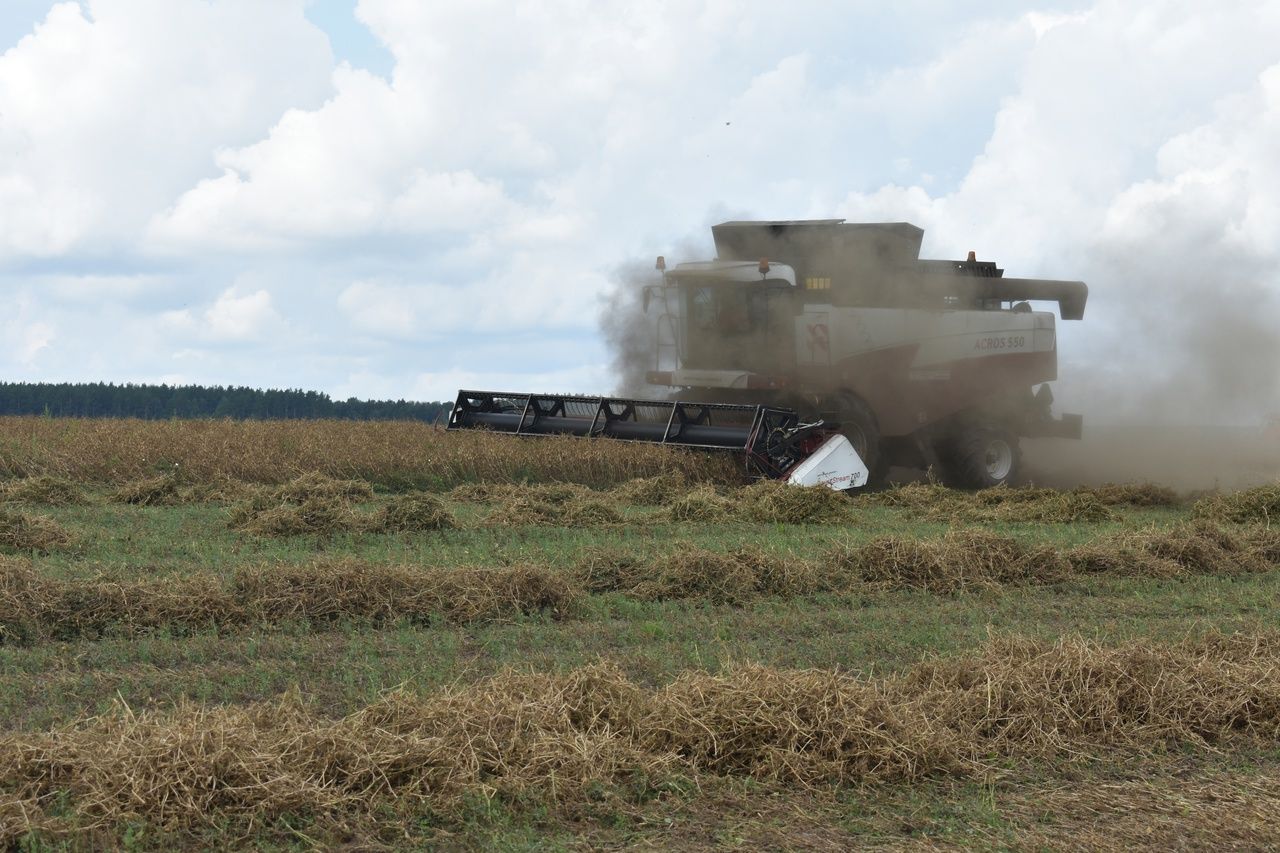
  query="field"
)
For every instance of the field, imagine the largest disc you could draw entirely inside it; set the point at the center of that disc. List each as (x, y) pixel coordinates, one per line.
(300, 635)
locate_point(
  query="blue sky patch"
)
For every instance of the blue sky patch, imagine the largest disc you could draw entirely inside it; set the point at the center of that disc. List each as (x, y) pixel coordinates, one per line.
(352, 41)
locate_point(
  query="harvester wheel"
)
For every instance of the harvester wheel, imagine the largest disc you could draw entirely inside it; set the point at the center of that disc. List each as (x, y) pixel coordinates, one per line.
(981, 457)
(859, 425)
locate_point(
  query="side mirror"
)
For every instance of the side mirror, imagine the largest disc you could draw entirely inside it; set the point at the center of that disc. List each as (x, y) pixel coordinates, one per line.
(648, 295)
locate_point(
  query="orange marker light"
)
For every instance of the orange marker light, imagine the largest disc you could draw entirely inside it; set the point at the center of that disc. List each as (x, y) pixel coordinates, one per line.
(764, 266)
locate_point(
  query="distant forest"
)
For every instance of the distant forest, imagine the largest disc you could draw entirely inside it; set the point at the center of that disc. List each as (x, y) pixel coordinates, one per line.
(155, 402)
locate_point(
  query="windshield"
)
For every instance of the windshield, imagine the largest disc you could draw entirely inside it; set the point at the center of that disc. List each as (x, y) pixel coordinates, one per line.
(733, 326)
(731, 309)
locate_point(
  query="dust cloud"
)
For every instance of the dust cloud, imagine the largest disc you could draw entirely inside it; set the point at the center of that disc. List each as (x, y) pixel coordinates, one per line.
(637, 339)
(1176, 336)
(629, 332)
(1183, 457)
(1176, 366)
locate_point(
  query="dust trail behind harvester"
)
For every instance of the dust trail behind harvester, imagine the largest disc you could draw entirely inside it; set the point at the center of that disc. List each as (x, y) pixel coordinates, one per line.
(1182, 457)
(1176, 368)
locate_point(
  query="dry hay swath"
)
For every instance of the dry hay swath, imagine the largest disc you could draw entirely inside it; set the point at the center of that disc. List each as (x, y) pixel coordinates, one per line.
(590, 512)
(921, 496)
(1035, 696)
(1031, 504)
(699, 504)
(652, 491)
(521, 511)
(216, 489)
(1000, 504)
(43, 489)
(316, 485)
(160, 490)
(263, 517)
(174, 487)
(525, 510)
(959, 560)
(329, 592)
(1199, 547)
(686, 571)
(1264, 542)
(560, 739)
(773, 501)
(766, 501)
(553, 736)
(310, 503)
(1127, 557)
(1132, 494)
(1195, 548)
(20, 531)
(35, 607)
(1257, 505)
(495, 493)
(412, 512)
(800, 726)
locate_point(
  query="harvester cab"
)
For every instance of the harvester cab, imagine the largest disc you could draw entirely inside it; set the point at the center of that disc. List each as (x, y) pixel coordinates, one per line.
(925, 363)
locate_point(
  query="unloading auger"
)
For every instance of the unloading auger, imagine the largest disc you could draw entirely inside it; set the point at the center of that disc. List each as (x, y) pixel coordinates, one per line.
(773, 442)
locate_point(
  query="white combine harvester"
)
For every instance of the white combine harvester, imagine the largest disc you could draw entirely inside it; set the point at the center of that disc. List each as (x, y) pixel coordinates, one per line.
(940, 364)
(772, 442)
(798, 330)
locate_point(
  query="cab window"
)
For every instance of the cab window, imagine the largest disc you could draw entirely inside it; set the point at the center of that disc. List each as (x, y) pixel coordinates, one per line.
(729, 310)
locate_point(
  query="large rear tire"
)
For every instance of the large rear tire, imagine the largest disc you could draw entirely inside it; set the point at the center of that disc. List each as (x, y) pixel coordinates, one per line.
(859, 425)
(981, 457)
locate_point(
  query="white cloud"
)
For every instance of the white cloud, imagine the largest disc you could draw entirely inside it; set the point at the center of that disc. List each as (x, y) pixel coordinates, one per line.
(111, 108)
(233, 316)
(379, 310)
(238, 317)
(33, 339)
(24, 334)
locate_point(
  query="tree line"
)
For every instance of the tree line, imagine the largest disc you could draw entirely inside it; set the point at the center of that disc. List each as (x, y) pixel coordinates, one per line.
(155, 402)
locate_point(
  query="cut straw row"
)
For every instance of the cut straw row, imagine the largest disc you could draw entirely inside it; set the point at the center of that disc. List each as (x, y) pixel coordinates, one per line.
(555, 740)
(35, 607)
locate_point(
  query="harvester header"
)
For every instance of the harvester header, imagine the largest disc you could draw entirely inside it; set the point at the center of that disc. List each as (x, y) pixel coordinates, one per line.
(772, 442)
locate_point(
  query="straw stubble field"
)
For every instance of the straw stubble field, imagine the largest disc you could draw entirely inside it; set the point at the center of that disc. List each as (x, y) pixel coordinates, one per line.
(309, 635)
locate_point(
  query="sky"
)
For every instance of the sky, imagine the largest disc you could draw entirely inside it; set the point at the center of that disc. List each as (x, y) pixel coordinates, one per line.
(389, 198)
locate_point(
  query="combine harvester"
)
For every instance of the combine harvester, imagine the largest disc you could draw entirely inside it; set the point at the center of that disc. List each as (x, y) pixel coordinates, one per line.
(926, 364)
(929, 364)
(773, 442)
